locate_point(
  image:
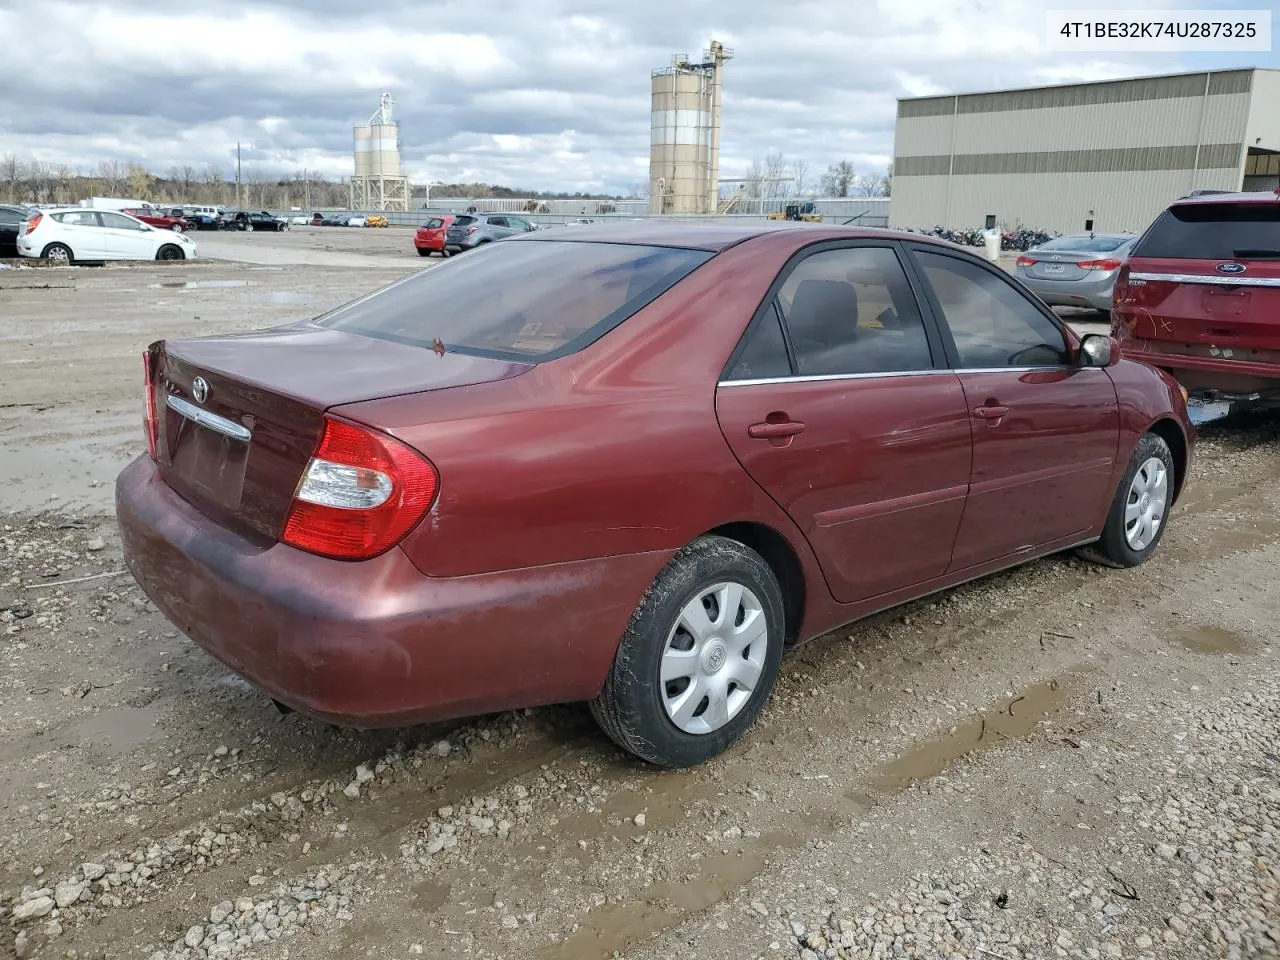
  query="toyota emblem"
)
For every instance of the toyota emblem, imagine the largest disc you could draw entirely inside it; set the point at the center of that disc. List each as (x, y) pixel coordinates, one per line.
(200, 389)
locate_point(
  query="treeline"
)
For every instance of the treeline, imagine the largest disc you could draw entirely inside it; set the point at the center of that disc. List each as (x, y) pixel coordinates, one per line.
(38, 181)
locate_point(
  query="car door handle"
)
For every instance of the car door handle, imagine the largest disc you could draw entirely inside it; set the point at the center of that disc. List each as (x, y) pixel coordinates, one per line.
(991, 412)
(769, 430)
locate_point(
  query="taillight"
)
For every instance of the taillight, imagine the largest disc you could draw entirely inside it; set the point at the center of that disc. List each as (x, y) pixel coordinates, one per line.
(1025, 261)
(149, 423)
(470, 231)
(34, 222)
(361, 493)
(1099, 264)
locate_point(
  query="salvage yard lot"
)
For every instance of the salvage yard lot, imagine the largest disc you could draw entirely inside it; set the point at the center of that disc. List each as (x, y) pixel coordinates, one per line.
(1058, 761)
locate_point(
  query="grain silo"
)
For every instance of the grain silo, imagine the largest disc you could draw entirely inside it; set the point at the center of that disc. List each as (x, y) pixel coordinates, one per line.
(684, 143)
(378, 183)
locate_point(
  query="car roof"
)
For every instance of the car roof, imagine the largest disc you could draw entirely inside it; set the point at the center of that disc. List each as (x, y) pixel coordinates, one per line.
(1267, 196)
(711, 235)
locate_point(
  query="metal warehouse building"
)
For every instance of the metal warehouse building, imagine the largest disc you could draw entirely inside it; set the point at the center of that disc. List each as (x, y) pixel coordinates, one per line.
(1116, 152)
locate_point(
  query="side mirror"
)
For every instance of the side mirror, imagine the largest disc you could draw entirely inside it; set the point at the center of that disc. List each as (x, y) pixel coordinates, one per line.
(1098, 350)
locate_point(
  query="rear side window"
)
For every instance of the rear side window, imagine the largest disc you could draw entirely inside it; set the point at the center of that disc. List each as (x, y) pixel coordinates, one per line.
(1214, 231)
(78, 218)
(519, 300)
(10, 216)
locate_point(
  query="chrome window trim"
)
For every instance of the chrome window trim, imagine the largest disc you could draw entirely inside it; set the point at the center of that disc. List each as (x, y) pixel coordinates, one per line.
(1222, 279)
(228, 428)
(894, 374)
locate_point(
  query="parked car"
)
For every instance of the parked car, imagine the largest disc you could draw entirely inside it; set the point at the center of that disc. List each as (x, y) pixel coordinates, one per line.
(261, 220)
(376, 220)
(11, 218)
(429, 237)
(331, 220)
(1200, 296)
(1076, 270)
(203, 220)
(355, 221)
(71, 234)
(469, 231)
(569, 490)
(165, 220)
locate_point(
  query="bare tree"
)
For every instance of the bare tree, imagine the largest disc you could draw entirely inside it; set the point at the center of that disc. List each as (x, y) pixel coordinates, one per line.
(799, 176)
(64, 184)
(888, 180)
(839, 179)
(214, 191)
(180, 181)
(11, 170)
(255, 185)
(755, 179)
(775, 173)
(112, 174)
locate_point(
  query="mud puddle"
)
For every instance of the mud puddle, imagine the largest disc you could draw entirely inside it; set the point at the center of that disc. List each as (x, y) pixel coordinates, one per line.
(196, 284)
(1211, 640)
(119, 728)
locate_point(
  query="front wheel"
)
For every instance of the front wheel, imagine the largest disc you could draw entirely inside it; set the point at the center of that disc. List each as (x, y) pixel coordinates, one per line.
(1136, 520)
(699, 657)
(176, 228)
(170, 252)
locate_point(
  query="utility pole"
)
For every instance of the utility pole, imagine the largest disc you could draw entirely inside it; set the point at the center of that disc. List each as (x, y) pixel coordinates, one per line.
(306, 190)
(237, 175)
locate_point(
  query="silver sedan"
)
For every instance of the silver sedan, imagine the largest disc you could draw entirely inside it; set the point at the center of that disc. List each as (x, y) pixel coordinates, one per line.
(1076, 270)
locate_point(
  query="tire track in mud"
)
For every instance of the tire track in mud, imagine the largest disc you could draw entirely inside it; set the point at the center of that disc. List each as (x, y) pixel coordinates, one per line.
(860, 690)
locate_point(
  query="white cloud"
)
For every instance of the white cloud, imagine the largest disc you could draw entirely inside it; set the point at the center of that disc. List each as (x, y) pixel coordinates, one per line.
(544, 94)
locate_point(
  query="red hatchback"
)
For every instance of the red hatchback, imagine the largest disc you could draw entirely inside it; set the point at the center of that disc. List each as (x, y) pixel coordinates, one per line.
(430, 236)
(636, 466)
(1200, 296)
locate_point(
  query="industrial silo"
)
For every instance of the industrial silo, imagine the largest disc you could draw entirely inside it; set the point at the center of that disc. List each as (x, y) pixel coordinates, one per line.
(378, 183)
(684, 151)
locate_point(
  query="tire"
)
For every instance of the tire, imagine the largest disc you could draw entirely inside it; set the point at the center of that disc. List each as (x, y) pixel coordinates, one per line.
(663, 723)
(176, 228)
(58, 252)
(170, 251)
(423, 253)
(248, 228)
(1126, 540)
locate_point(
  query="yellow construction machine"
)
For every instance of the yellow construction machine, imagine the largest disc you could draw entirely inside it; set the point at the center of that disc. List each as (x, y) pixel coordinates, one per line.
(797, 211)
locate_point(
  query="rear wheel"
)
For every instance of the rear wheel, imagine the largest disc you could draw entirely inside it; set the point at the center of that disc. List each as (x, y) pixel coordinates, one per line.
(423, 253)
(1136, 521)
(699, 657)
(58, 253)
(170, 252)
(176, 228)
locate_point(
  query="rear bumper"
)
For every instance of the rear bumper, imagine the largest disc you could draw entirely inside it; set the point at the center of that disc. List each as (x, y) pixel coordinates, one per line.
(1209, 374)
(435, 244)
(376, 643)
(1063, 293)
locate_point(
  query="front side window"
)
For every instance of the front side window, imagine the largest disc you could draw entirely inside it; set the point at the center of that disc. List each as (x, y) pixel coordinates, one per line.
(522, 300)
(991, 323)
(851, 310)
(118, 221)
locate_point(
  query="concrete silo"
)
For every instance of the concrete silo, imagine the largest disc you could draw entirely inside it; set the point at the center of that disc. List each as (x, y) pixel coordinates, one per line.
(684, 142)
(378, 183)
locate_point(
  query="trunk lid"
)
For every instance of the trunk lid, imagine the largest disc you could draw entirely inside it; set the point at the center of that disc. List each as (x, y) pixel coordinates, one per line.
(1206, 274)
(458, 229)
(1059, 265)
(236, 445)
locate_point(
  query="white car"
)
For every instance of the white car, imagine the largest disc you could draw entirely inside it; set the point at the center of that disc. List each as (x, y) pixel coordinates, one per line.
(68, 234)
(355, 221)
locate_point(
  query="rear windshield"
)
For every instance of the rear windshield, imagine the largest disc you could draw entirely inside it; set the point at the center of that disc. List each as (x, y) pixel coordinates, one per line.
(433, 224)
(1085, 244)
(519, 299)
(463, 220)
(1214, 231)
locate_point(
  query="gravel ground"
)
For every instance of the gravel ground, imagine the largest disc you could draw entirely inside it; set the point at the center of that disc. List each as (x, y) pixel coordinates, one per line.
(1060, 761)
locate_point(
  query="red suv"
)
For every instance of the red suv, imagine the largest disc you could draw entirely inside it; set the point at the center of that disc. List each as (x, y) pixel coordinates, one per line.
(1200, 296)
(430, 236)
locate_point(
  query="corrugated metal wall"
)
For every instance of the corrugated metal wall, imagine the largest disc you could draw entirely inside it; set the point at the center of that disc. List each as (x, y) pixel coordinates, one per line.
(1044, 158)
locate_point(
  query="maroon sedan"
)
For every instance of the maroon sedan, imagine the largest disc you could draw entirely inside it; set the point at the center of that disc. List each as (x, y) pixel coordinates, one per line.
(628, 467)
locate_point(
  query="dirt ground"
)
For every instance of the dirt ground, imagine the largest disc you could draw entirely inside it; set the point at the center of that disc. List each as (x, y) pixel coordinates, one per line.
(1060, 761)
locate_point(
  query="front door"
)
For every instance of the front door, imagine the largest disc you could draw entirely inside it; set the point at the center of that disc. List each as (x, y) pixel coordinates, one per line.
(1045, 430)
(127, 239)
(839, 406)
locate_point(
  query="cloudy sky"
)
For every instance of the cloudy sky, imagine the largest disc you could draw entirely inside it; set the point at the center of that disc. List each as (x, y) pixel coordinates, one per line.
(543, 94)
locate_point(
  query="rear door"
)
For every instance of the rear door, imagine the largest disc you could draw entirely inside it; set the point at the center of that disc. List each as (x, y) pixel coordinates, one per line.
(838, 404)
(9, 221)
(1045, 430)
(85, 234)
(1207, 275)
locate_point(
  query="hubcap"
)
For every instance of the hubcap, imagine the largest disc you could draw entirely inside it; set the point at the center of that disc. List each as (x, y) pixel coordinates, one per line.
(713, 658)
(57, 253)
(1145, 505)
